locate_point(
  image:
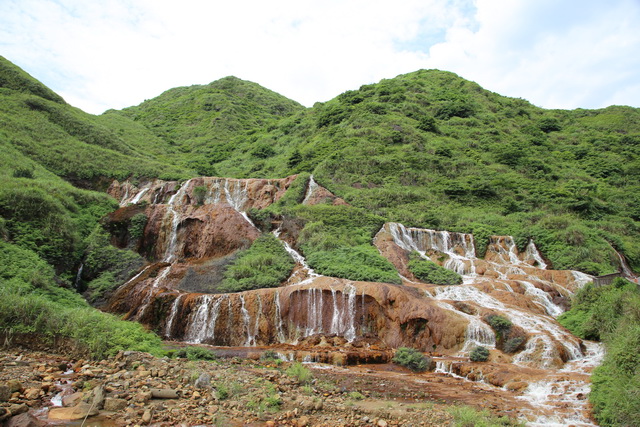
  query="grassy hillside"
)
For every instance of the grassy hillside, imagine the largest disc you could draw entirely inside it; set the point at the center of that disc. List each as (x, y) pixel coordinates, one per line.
(430, 149)
(197, 123)
(82, 148)
(48, 226)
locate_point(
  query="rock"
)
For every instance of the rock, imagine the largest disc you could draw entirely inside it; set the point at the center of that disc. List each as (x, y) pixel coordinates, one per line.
(98, 397)
(14, 385)
(24, 420)
(18, 409)
(203, 381)
(72, 399)
(146, 416)
(4, 414)
(143, 396)
(32, 393)
(5, 393)
(164, 393)
(81, 410)
(113, 404)
(303, 421)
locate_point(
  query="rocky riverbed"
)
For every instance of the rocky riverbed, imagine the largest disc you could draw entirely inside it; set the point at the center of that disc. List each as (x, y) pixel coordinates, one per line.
(138, 389)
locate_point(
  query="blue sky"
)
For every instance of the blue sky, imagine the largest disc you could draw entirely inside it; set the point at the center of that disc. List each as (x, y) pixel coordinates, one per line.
(117, 53)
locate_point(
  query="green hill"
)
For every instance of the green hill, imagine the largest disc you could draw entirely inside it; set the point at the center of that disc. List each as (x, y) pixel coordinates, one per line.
(431, 149)
(197, 123)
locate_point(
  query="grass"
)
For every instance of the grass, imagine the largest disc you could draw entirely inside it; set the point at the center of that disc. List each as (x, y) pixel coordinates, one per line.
(466, 416)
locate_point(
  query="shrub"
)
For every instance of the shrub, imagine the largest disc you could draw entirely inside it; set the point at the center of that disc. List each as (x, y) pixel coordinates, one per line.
(196, 353)
(23, 173)
(501, 325)
(300, 373)
(265, 264)
(479, 354)
(412, 359)
(199, 194)
(513, 345)
(136, 225)
(430, 272)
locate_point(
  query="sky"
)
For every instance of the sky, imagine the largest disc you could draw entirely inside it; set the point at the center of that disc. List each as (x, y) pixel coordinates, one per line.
(117, 53)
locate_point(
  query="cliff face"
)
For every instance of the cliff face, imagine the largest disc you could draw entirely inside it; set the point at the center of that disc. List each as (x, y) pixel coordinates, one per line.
(195, 228)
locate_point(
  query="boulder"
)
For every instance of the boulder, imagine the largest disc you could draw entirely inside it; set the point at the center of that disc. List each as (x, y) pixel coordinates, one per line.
(113, 404)
(81, 410)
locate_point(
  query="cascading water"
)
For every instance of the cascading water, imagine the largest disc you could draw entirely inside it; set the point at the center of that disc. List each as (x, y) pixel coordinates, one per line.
(172, 315)
(311, 188)
(478, 333)
(199, 320)
(542, 298)
(307, 272)
(532, 254)
(78, 277)
(422, 240)
(278, 318)
(539, 326)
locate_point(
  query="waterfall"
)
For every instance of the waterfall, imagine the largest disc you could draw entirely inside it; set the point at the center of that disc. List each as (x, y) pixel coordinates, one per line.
(315, 301)
(532, 254)
(297, 257)
(278, 318)
(541, 298)
(624, 267)
(199, 320)
(423, 240)
(172, 315)
(176, 199)
(539, 326)
(78, 277)
(311, 188)
(478, 333)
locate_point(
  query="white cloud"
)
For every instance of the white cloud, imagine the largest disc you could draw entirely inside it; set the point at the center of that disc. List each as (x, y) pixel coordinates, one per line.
(117, 53)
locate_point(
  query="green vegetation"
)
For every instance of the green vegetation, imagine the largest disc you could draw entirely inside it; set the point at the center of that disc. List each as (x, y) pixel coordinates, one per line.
(195, 353)
(300, 373)
(32, 303)
(430, 272)
(266, 264)
(611, 314)
(412, 359)
(479, 354)
(337, 241)
(466, 416)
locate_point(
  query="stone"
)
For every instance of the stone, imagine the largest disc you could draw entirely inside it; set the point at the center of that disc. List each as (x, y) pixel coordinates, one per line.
(72, 399)
(81, 410)
(203, 381)
(303, 421)
(114, 404)
(5, 393)
(146, 416)
(18, 409)
(98, 397)
(382, 423)
(32, 393)
(24, 420)
(143, 396)
(14, 385)
(164, 393)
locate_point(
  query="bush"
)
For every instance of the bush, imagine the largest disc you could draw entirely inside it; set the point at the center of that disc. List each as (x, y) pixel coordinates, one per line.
(430, 272)
(513, 345)
(196, 353)
(300, 373)
(199, 194)
(136, 225)
(266, 264)
(501, 325)
(23, 173)
(412, 359)
(479, 354)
